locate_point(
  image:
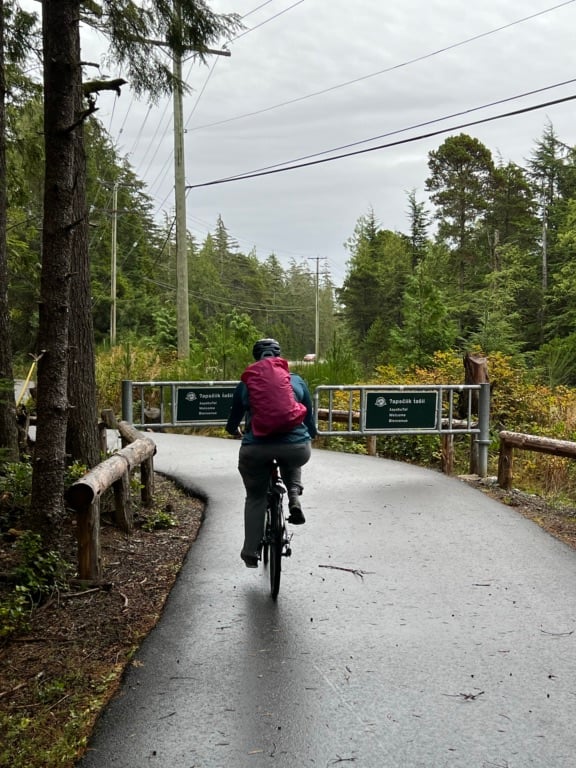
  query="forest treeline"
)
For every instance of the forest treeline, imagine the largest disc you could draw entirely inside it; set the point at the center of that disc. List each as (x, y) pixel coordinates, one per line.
(233, 296)
(487, 262)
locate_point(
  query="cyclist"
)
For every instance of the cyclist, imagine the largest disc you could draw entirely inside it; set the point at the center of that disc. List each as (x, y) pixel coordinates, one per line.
(291, 450)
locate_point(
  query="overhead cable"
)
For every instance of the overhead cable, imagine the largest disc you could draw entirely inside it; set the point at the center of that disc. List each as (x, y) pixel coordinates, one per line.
(409, 140)
(413, 127)
(423, 57)
(280, 13)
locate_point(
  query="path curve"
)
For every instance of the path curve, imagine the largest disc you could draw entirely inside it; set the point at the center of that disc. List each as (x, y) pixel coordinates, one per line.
(455, 646)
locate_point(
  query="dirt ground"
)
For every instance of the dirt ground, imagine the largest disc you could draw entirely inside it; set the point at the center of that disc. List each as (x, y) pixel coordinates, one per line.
(62, 672)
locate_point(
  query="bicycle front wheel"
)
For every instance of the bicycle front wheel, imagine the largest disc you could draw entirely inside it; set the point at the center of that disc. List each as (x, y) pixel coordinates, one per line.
(276, 535)
(266, 539)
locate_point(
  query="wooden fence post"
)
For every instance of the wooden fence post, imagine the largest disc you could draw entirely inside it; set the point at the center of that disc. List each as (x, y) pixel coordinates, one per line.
(447, 454)
(511, 440)
(147, 480)
(371, 445)
(505, 462)
(88, 533)
(84, 497)
(123, 516)
(102, 438)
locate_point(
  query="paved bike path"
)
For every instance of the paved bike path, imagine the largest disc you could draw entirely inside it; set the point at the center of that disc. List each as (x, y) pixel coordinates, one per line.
(454, 646)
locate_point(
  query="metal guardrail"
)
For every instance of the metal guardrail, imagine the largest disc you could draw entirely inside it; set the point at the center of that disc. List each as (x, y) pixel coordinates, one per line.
(404, 408)
(411, 409)
(177, 403)
(344, 410)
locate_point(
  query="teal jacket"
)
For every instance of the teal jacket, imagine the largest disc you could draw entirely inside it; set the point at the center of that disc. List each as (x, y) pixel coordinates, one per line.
(241, 408)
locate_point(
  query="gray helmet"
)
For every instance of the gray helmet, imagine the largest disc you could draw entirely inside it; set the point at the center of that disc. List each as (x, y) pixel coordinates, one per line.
(266, 348)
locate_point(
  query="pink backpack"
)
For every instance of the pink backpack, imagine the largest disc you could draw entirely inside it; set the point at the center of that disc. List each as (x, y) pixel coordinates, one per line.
(273, 407)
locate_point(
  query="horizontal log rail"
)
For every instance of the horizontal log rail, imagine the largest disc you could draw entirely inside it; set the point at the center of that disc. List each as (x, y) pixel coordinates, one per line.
(511, 440)
(84, 495)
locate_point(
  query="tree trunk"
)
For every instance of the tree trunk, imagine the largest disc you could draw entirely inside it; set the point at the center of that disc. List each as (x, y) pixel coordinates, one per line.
(62, 81)
(475, 372)
(82, 442)
(8, 427)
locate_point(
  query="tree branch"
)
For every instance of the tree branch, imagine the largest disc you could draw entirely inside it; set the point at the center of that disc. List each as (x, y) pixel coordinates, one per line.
(95, 86)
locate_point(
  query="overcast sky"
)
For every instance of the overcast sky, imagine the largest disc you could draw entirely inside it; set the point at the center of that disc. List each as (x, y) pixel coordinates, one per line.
(316, 75)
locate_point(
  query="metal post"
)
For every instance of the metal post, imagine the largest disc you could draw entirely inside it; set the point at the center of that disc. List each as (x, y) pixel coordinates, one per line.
(484, 425)
(127, 401)
(317, 325)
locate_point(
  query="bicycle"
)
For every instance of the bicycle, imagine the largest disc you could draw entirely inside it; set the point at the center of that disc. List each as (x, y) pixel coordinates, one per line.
(276, 541)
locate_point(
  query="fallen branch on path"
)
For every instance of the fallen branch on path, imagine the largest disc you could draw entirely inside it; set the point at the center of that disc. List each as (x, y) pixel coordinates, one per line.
(355, 571)
(465, 696)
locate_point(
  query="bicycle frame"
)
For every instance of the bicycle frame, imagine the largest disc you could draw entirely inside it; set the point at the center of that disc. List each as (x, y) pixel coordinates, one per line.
(276, 542)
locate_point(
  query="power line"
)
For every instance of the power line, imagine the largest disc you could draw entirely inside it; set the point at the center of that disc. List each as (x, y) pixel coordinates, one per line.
(280, 13)
(258, 7)
(162, 174)
(412, 139)
(282, 166)
(383, 71)
(413, 127)
(229, 302)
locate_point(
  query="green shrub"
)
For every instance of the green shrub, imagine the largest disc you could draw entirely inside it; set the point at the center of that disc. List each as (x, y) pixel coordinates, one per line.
(15, 612)
(15, 491)
(39, 572)
(160, 520)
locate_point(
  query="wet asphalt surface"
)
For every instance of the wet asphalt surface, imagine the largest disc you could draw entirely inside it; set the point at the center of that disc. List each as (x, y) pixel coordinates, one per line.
(450, 641)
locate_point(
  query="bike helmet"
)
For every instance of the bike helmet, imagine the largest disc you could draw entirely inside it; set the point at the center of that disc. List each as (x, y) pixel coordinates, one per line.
(266, 348)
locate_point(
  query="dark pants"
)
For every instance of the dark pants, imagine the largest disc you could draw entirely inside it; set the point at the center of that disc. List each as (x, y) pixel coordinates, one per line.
(254, 464)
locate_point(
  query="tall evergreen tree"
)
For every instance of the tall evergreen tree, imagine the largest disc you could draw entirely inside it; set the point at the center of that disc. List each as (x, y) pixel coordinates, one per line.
(561, 309)
(62, 81)
(131, 29)
(14, 28)
(360, 292)
(512, 216)
(8, 430)
(460, 183)
(419, 223)
(546, 168)
(133, 34)
(426, 326)
(371, 295)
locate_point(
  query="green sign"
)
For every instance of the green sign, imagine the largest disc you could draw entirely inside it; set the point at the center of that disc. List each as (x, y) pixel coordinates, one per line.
(203, 404)
(396, 411)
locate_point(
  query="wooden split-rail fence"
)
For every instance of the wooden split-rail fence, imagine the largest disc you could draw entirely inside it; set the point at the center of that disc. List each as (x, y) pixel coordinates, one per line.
(115, 472)
(138, 451)
(520, 441)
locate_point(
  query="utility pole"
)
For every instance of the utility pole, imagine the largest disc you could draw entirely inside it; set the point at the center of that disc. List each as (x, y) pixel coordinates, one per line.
(113, 267)
(182, 309)
(182, 305)
(317, 323)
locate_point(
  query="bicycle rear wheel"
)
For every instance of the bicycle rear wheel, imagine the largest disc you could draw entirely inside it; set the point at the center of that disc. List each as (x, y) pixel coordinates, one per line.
(266, 539)
(276, 536)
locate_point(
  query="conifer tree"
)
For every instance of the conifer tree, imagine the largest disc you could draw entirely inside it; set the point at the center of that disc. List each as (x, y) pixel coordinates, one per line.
(15, 28)
(131, 29)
